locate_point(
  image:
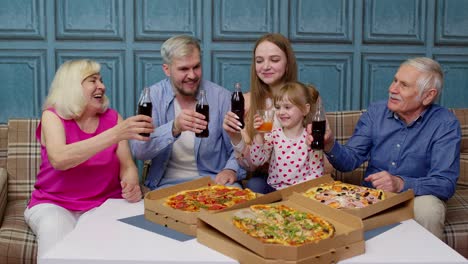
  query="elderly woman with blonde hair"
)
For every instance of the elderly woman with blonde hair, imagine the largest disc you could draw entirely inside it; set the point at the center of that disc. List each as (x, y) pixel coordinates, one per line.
(85, 155)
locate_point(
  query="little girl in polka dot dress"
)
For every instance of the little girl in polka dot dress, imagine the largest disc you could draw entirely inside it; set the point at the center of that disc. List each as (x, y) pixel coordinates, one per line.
(291, 160)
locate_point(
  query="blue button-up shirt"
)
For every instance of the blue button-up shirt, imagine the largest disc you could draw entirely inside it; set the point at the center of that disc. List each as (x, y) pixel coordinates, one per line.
(424, 153)
(212, 154)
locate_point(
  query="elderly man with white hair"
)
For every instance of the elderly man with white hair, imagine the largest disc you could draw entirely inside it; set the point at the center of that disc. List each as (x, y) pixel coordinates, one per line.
(409, 141)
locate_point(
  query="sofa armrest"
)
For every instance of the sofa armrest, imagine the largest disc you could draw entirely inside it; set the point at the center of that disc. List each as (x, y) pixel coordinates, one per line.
(3, 192)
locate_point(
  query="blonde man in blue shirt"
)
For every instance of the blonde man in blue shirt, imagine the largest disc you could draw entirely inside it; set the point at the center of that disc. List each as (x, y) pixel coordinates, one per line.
(177, 155)
(409, 142)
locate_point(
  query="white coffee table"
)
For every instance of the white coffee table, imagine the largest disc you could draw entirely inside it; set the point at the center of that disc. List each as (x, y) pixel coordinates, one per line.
(100, 238)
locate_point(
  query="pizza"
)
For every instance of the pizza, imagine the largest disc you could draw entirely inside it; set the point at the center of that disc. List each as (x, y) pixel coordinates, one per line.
(280, 224)
(342, 195)
(211, 197)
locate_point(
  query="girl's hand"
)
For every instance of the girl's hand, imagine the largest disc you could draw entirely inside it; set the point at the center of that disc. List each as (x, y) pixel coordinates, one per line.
(258, 121)
(309, 137)
(329, 138)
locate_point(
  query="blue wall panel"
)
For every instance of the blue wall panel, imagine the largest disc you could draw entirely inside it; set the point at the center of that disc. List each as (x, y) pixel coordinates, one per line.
(148, 70)
(455, 91)
(90, 19)
(22, 75)
(232, 67)
(22, 19)
(321, 21)
(161, 19)
(396, 21)
(331, 75)
(350, 49)
(244, 19)
(452, 22)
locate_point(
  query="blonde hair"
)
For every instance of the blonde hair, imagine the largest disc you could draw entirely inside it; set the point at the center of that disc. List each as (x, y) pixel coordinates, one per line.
(66, 91)
(258, 89)
(299, 95)
(178, 47)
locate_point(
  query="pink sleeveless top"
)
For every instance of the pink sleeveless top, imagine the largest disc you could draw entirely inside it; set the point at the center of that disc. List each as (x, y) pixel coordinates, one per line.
(87, 185)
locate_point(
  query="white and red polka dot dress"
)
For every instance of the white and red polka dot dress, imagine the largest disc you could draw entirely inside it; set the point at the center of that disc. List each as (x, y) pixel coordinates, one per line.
(292, 160)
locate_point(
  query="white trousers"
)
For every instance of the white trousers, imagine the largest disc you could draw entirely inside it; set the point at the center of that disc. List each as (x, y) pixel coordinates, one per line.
(51, 223)
(429, 211)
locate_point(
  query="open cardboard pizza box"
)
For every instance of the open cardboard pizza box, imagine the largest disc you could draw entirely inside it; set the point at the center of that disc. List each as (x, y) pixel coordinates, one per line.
(216, 240)
(182, 221)
(395, 208)
(218, 232)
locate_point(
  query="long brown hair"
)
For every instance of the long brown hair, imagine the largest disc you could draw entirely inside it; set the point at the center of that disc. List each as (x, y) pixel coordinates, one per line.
(259, 91)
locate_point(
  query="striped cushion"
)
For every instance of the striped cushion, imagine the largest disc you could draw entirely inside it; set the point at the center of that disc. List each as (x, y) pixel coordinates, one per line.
(3, 145)
(342, 124)
(462, 115)
(23, 158)
(456, 222)
(17, 242)
(463, 178)
(3, 192)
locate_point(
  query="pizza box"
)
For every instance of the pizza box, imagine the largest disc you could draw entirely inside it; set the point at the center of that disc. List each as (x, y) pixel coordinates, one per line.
(171, 223)
(348, 230)
(182, 221)
(216, 240)
(395, 208)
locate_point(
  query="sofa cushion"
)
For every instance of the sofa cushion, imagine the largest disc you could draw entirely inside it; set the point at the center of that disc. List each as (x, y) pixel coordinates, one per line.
(342, 124)
(3, 145)
(23, 158)
(456, 222)
(17, 241)
(462, 115)
(463, 177)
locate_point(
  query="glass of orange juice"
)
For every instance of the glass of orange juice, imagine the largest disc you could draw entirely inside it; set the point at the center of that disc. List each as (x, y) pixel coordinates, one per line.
(268, 117)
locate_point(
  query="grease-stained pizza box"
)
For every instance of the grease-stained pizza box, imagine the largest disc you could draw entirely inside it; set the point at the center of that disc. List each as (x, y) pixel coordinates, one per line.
(182, 221)
(348, 230)
(216, 240)
(394, 208)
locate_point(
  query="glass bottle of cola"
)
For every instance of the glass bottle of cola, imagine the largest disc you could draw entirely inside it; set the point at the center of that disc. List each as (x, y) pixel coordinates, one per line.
(318, 125)
(203, 108)
(237, 103)
(145, 107)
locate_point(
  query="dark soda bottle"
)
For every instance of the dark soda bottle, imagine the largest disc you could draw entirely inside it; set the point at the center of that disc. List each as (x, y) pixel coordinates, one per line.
(145, 107)
(203, 108)
(319, 125)
(237, 103)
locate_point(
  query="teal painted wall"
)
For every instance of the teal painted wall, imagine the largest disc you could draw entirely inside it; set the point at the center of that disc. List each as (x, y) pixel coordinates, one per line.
(350, 49)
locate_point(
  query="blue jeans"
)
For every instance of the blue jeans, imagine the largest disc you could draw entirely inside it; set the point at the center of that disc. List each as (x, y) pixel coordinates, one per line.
(259, 184)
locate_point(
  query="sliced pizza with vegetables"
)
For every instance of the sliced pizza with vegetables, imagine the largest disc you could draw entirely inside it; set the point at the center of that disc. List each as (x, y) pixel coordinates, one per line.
(280, 224)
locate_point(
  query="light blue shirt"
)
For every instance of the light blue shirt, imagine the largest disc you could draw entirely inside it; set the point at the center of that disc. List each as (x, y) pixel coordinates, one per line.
(212, 154)
(424, 153)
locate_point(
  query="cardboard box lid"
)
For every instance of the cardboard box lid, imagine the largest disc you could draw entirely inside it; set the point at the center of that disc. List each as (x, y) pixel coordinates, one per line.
(218, 241)
(348, 229)
(391, 199)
